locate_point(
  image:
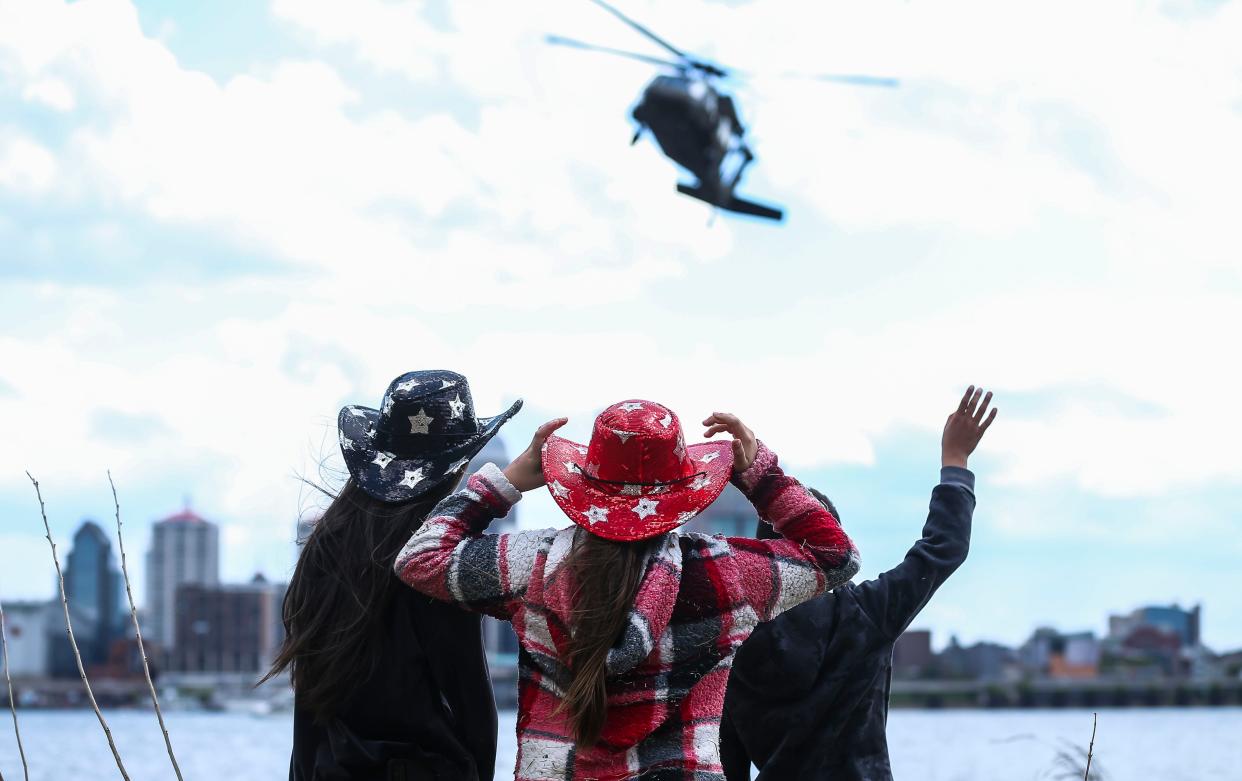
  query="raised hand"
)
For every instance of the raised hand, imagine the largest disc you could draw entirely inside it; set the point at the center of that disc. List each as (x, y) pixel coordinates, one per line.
(744, 443)
(965, 427)
(526, 471)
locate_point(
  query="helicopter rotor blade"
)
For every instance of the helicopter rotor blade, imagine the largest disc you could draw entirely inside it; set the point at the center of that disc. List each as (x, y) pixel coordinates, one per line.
(855, 79)
(641, 29)
(558, 40)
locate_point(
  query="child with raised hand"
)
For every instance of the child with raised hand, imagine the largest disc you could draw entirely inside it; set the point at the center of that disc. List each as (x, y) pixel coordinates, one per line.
(808, 696)
(628, 627)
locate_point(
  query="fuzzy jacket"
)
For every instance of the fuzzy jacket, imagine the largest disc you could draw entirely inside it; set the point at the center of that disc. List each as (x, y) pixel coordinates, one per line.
(699, 598)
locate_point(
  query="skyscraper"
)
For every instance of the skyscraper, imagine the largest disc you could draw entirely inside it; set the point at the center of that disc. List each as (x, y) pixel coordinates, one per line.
(731, 515)
(93, 587)
(185, 550)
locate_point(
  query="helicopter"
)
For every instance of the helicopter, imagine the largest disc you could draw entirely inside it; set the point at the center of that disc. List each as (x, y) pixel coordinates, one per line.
(695, 124)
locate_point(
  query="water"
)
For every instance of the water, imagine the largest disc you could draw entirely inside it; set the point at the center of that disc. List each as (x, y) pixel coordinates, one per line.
(1168, 745)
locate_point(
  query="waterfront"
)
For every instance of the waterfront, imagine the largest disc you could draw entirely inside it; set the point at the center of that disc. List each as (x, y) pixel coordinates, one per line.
(961, 745)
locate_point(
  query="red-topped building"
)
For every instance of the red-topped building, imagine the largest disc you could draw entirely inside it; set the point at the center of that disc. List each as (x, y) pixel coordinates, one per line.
(185, 551)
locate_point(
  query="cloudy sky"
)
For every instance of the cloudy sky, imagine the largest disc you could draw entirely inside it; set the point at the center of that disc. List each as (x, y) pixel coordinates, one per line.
(220, 222)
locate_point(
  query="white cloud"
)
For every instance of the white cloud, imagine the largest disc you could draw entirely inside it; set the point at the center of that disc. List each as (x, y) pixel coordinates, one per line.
(51, 92)
(522, 242)
(26, 166)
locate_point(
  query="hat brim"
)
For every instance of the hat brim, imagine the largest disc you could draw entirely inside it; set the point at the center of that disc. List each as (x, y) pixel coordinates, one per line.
(634, 516)
(392, 478)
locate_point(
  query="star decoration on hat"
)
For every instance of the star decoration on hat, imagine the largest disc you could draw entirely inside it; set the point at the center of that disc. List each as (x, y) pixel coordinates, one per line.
(406, 386)
(624, 436)
(412, 477)
(460, 464)
(596, 515)
(659, 489)
(387, 405)
(645, 507)
(710, 457)
(446, 384)
(680, 450)
(382, 459)
(558, 489)
(357, 413)
(571, 467)
(630, 406)
(457, 407)
(347, 444)
(420, 423)
(666, 420)
(582, 451)
(700, 482)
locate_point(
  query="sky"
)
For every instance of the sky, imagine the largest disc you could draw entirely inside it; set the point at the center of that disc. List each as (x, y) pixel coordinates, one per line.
(221, 222)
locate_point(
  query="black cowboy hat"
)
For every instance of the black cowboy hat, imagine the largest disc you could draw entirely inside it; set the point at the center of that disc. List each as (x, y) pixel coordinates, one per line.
(424, 432)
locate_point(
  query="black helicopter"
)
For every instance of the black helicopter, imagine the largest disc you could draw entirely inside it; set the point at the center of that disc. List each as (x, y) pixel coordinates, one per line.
(695, 124)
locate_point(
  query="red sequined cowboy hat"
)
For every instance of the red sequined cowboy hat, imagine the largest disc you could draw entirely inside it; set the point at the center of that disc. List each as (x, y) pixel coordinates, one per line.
(637, 478)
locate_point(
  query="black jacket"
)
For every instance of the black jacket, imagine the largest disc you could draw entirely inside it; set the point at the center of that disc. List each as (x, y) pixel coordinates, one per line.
(808, 695)
(428, 712)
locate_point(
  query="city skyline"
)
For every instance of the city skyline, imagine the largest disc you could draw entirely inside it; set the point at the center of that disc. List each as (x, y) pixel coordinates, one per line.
(730, 514)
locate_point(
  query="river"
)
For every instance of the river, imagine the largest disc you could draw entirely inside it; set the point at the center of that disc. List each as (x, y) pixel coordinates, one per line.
(1191, 744)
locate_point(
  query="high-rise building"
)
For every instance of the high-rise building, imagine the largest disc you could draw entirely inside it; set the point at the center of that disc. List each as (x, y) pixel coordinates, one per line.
(93, 587)
(228, 629)
(185, 550)
(912, 653)
(731, 515)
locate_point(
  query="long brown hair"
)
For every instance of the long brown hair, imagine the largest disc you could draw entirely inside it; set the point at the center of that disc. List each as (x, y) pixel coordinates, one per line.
(605, 576)
(334, 610)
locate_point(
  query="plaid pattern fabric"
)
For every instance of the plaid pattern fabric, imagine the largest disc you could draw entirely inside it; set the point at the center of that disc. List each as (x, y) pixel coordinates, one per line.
(699, 599)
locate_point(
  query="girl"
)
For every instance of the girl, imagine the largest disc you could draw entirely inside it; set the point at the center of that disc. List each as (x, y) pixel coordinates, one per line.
(389, 684)
(628, 628)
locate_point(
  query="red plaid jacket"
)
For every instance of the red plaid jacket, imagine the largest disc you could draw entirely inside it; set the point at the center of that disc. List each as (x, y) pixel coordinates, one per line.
(699, 599)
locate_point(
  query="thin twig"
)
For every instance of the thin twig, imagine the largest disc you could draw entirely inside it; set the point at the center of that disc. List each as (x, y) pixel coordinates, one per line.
(4, 644)
(73, 643)
(133, 614)
(1086, 776)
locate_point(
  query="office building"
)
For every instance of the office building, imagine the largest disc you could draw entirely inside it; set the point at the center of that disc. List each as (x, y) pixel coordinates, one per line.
(185, 550)
(97, 604)
(227, 628)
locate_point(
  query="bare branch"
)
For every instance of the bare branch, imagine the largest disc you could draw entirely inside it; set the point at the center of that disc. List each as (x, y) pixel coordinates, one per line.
(4, 644)
(1086, 776)
(133, 614)
(73, 643)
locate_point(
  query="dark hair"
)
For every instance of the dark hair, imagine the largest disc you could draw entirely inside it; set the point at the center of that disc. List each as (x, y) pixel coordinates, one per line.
(766, 532)
(826, 502)
(605, 576)
(334, 610)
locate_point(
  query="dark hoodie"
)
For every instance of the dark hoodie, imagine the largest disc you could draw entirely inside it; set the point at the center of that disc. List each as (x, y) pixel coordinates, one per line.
(808, 694)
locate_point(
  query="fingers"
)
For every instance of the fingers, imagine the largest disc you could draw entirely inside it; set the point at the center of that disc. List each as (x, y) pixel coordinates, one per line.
(974, 400)
(713, 430)
(961, 406)
(543, 432)
(987, 422)
(725, 418)
(983, 408)
(739, 452)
